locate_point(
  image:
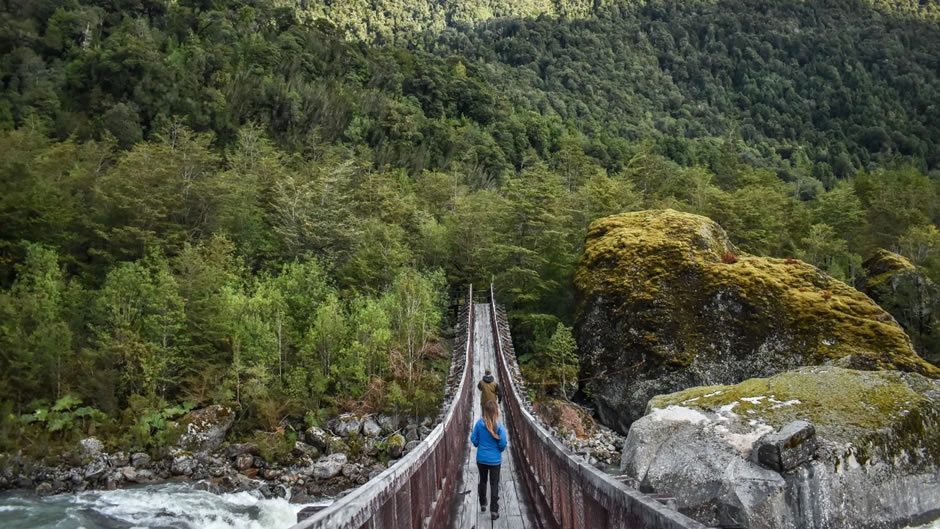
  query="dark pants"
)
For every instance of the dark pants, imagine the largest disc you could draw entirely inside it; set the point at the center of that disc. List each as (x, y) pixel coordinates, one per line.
(491, 471)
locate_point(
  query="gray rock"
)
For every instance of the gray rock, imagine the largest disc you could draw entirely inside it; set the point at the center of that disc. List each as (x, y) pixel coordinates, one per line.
(329, 466)
(411, 433)
(317, 437)
(45, 489)
(710, 480)
(244, 461)
(789, 448)
(58, 486)
(238, 482)
(95, 469)
(118, 459)
(370, 428)
(857, 467)
(140, 460)
(217, 470)
(183, 465)
(90, 447)
(144, 476)
(411, 446)
(352, 471)
(129, 474)
(114, 479)
(388, 423)
(305, 450)
(347, 425)
(205, 429)
(237, 449)
(370, 447)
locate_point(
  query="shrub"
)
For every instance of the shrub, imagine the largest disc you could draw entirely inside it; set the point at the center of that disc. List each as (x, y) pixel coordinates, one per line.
(275, 447)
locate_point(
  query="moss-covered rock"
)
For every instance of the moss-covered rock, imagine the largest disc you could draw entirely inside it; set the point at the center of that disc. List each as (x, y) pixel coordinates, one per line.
(909, 295)
(877, 462)
(204, 429)
(666, 302)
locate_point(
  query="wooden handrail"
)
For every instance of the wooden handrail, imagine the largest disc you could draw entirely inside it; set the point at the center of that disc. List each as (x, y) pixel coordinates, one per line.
(567, 492)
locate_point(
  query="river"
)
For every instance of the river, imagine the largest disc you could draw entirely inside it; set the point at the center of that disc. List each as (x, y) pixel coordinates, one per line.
(166, 506)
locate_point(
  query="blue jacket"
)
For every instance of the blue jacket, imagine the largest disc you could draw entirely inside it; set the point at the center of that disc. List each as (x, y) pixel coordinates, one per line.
(489, 450)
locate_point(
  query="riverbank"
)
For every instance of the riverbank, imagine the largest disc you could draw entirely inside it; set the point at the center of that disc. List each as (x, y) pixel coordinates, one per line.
(321, 462)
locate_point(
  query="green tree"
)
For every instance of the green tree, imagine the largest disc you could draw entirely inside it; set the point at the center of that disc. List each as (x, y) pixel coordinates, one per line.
(36, 340)
(920, 244)
(561, 363)
(415, 311)
(139, 326)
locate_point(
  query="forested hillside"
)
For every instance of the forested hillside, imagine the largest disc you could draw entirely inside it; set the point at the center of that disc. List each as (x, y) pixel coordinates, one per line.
(237, 201)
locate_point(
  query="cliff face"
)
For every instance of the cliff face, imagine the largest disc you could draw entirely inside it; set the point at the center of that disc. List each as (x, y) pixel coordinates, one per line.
(817, 447)
(909, 295)
(667, 303)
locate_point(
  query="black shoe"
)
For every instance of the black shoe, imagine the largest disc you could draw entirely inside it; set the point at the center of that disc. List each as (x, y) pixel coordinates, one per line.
(495, 515)
(482, 508)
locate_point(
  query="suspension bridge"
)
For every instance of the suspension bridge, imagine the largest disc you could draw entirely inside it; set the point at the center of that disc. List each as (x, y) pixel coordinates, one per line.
(543, 484)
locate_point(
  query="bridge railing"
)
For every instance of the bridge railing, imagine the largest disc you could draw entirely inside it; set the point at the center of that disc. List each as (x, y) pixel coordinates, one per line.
(413, 493)
(566, 491)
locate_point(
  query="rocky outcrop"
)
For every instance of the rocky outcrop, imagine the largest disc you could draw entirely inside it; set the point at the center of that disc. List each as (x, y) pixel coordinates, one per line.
(815, 448)
(666, 302)
(909, 295)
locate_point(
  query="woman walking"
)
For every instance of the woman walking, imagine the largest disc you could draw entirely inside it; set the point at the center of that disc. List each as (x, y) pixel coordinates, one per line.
(490, 439)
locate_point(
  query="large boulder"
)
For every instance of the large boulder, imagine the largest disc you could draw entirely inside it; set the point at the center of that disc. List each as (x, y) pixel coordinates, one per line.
(666, 302)
(816, 448)
(909, 295)
(205, 429)
(90, 448)
(329, 466)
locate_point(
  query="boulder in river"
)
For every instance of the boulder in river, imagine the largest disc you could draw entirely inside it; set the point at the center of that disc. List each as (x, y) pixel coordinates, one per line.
(183, 465)
(819, 447)
(666, 302)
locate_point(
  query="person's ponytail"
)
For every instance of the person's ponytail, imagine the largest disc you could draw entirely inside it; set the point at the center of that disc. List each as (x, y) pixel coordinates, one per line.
(490, 416)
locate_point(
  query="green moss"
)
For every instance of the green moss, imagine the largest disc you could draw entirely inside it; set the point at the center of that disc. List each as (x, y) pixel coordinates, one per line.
(878, 412)
(883, 266)
(661, 268)
(636, 252)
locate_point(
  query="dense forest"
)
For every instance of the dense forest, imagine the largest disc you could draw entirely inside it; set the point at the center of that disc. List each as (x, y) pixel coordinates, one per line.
(245, 202)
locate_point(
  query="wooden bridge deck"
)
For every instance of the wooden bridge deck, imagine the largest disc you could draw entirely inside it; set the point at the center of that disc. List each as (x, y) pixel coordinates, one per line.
(514, 506)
